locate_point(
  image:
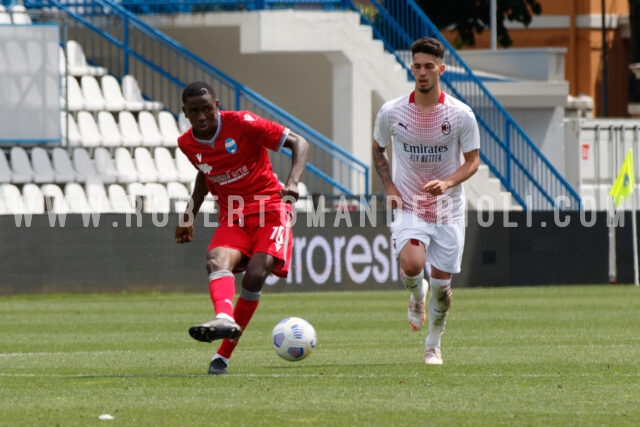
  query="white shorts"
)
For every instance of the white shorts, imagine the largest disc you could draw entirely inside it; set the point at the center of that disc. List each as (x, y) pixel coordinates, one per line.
(444, 242)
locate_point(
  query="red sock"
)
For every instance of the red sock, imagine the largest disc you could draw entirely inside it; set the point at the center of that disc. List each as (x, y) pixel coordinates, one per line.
(222, 290)
(243, 313)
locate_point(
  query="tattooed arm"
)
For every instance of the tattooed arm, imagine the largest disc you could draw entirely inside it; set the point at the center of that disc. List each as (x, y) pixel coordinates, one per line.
(381, 163)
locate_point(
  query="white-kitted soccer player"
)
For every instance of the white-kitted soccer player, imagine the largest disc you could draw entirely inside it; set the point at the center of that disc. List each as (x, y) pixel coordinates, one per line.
(435, 142)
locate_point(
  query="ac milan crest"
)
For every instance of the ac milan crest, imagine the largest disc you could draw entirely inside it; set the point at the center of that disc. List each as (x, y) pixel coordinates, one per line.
(446, 127)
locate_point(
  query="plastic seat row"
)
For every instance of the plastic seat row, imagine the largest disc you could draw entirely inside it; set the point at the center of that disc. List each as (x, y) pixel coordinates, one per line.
(107, 94)
(141, 169)
(96, 197)
(60, 167)
(127, 131)
(86, 93)
(15, 15)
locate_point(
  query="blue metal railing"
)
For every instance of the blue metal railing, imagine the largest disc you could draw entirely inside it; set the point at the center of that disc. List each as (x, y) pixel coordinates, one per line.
(506, 149)
(115, 38)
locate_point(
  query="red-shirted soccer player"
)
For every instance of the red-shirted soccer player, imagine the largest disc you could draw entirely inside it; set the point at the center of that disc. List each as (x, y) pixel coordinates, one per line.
(229, 150)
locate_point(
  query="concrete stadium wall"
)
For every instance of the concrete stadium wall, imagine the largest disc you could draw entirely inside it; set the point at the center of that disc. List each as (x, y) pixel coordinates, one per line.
(351, 251)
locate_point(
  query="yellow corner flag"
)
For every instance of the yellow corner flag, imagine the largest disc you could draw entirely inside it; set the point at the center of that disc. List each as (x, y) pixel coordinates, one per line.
(623, 186)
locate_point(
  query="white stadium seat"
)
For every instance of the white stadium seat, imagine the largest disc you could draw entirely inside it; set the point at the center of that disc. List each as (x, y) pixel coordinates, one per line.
(64, 170)
(13, 201)
(168, 128)
(83, 164)
(112, 94)
(183, 122)
(93, 99)
(97, 196)
(20, 165)
(119, 199)
(5, 169)
(73, 97)
(128, 126)
(186, 171)
(33, 198)
(179, 196)
(76, 198)
(54, 199)
(42, 168)
(77, 61)
(132, 93)
(125, 166)
(105, 166)
(157, 198)
(5, 17)
(151, 136)
(137, 193)
(145, 165)
(165, 164)
(88, 128)
(108, 127)
(209, 204)
(72, 138)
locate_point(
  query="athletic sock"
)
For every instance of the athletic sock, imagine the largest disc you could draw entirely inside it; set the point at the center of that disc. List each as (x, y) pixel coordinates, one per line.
(246, 306)
(414, 284)
(439, 305)
(222, 289)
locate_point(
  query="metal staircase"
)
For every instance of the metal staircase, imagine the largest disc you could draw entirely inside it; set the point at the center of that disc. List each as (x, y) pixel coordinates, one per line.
(509, 153)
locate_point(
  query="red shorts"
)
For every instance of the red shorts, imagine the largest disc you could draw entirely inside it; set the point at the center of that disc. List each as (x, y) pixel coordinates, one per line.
(270, 234)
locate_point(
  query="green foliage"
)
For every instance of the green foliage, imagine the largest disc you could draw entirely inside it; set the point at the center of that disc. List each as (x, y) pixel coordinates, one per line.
(469, 17)
(540, 356)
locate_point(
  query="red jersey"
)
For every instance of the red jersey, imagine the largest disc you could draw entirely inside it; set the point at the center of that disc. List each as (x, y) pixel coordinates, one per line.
(236, 164)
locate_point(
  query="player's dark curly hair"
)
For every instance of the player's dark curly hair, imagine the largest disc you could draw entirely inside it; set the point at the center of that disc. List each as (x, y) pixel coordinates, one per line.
(428, 45)
(197, 89)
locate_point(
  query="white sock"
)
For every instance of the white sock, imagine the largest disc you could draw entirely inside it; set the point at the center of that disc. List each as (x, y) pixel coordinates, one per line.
(439, 305)
(414, 284)
(224, 316)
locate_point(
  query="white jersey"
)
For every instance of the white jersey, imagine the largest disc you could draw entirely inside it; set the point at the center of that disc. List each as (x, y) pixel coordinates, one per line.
(427, 147)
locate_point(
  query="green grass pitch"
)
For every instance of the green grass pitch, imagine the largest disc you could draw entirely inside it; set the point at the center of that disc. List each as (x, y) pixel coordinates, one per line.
(531, 356)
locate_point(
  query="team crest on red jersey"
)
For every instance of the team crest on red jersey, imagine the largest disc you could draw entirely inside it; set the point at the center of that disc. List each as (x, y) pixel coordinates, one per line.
(230, 145)
(446, 127)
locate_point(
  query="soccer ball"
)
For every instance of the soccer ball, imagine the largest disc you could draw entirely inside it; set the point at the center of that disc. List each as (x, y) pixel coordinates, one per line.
(293, 338)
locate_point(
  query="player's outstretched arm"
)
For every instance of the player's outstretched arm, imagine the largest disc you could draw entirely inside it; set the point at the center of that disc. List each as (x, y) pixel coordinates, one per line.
(184, 229)
(299, 147)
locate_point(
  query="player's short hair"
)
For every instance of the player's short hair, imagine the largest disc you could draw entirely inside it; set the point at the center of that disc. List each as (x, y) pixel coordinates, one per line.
(428, 45)
(197, 89)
